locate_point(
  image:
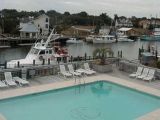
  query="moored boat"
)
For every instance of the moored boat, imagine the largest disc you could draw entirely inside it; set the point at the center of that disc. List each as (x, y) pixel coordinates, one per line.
(153, 36)
(39, 52)
(104, 39)
(74, 40)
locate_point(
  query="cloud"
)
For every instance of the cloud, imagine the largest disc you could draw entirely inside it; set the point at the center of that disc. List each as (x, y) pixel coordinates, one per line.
(121, 7)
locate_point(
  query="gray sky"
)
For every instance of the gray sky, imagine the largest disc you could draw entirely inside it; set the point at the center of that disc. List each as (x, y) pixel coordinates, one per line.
(128, 8)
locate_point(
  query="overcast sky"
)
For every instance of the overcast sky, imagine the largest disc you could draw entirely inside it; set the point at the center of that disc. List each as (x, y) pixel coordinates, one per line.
(128, 8)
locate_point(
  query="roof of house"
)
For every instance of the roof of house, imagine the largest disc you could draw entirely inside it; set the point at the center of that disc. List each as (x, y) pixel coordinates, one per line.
(29, 27)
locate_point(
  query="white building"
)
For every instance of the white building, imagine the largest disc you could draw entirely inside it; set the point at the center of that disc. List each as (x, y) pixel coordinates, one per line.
(33, 27)
(123, 22)
(29, 30)
(42, 23)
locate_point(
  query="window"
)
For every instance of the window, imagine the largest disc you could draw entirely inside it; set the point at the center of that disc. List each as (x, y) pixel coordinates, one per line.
(50, 51)
(46, 25)
(46, 51)
(46, 19)
(42, 52)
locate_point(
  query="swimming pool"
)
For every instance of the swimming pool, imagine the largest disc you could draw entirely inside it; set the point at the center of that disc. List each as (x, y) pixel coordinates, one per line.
(95, 101)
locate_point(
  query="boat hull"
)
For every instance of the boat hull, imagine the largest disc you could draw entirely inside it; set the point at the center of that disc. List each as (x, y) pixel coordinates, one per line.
(150, 38)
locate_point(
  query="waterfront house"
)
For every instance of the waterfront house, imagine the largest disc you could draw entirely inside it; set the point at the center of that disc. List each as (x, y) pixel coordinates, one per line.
(28, 30)
(133, 31)
(80, 31)
(145, 24)
(123, 22)
(42, 23)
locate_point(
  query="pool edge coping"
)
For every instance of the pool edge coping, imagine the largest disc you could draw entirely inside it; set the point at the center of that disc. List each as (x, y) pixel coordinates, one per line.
(58, 85)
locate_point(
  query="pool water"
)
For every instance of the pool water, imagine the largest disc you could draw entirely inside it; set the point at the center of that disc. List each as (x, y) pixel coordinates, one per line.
(95, 101)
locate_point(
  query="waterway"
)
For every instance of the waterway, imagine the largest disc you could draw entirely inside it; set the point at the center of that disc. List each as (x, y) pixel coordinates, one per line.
(129, 50)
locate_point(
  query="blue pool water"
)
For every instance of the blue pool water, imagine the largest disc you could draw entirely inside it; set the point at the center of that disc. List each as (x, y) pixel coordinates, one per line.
(96, 101)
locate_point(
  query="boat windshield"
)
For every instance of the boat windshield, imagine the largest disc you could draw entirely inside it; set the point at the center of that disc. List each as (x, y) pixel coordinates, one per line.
(34, 51)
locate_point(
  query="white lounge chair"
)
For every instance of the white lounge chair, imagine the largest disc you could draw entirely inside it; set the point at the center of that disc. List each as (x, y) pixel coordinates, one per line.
(83, 71)
(64, 72)
(138, 73)
(2, 84)
(150, 75)
(71, 70)
(8, 79)
(21, 81)
(144, 73)
(86, 67)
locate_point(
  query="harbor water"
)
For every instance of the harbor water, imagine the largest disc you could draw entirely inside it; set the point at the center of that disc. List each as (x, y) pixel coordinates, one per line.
(129, 50)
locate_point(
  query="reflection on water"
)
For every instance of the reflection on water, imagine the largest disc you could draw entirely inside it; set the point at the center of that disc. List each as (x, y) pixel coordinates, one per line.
(129, 49)
(99, 89)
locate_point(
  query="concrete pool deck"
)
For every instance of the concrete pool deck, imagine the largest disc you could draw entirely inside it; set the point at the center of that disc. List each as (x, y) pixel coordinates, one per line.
(67, 83)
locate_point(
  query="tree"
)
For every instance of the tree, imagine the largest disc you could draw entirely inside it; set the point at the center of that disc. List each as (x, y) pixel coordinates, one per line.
(83, 14)
(66, 14)
(42, 12)
(102, 54)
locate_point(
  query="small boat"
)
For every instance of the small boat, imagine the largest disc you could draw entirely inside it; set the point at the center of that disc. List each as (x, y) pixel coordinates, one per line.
(124, 38)
(74, 40)
(104, 39)
(41, 51)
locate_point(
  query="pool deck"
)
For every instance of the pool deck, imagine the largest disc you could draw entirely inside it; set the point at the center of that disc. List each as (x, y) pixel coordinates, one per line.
(61, 83)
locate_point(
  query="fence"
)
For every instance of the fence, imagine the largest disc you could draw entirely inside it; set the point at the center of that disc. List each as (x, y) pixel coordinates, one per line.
(34, 70)
(131, 66)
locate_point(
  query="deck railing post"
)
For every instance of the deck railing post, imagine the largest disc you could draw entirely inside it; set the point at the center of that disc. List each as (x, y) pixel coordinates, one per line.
(43, 62)
(34, 62)
(71, 58)
(18, 64)
(5, 65)
(85, 56)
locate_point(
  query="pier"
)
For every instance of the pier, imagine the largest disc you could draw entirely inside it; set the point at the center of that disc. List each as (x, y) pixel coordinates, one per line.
(13, 42)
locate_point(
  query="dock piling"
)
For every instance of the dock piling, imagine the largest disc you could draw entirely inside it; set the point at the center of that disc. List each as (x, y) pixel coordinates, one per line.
(49, 61)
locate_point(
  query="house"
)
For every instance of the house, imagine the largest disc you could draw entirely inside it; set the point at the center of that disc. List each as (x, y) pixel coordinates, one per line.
(133, 31)
(123, 22)
(81, 31)
(33, 27)
(29, 30)
(145, 24)
(42, 23)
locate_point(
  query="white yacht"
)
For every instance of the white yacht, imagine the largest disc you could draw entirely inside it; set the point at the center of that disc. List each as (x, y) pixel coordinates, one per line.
(74, 40)
(104, 39)
(39, 52)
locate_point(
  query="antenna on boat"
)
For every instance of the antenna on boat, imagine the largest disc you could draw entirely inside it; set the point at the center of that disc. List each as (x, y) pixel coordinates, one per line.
(49, 37)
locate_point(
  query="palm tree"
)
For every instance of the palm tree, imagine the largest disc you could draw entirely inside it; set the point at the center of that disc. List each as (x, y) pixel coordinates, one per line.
(102, 54)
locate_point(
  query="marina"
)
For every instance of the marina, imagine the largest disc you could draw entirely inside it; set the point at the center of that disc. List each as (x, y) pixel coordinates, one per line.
(79, 60)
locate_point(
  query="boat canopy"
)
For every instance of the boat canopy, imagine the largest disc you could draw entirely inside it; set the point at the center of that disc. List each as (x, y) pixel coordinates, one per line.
(124, 29)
